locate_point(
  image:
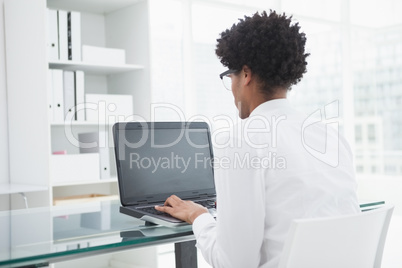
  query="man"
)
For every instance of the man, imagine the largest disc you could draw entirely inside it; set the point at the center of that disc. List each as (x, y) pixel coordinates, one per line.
(282, 167)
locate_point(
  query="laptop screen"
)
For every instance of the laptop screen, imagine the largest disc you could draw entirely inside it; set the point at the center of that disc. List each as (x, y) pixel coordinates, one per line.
(155, 160)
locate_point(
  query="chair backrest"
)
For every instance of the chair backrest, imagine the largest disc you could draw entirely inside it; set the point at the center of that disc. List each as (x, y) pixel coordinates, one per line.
(354, 241)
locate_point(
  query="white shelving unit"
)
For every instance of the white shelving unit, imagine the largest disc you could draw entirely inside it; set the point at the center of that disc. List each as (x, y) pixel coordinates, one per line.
(59, 184)
(12, 188)
(91, 68)
(120, 24)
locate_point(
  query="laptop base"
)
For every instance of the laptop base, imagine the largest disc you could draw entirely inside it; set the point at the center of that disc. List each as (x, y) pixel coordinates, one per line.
(156, 220)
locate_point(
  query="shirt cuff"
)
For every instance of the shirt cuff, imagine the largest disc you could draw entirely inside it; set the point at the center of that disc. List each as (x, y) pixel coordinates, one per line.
(201, 222)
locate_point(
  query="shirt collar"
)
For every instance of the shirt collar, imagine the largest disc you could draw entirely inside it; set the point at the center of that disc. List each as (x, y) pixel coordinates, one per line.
(270, 106)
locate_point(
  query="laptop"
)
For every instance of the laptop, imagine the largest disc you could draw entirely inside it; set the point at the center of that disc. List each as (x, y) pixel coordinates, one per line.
(157, 159)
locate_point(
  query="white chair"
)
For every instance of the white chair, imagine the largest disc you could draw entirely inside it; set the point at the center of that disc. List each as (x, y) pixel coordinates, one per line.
(355, 241)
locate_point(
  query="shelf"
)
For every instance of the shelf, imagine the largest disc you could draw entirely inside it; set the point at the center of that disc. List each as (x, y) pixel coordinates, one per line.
(79, 123)
(94, 68)
(82, 123)
(79, 199)
(97, 6)
(85, 123)
(12, 188)
(73, 183)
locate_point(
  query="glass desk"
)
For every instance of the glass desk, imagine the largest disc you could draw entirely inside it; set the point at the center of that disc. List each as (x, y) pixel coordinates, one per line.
(39, 236)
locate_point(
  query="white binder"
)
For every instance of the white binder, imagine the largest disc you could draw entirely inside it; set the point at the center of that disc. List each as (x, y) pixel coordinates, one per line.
(63, 35)
(76, 35)
(50, 94)
(57, 92)
(69, 96)
(103, 55)
(80, 95)
(52, 35)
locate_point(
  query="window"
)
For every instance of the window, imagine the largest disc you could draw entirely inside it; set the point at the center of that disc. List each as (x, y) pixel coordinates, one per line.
(167, 60)
(371, 133)
(360, 169)
(358, 133)
(373, 169)
(210, 97)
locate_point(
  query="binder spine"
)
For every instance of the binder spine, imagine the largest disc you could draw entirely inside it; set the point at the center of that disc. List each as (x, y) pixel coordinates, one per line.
(63, 35)
(75, 40)
(69, 46)
(50, 94)
(80, 95)
(53, 35)
(57, 93)
(69, 96)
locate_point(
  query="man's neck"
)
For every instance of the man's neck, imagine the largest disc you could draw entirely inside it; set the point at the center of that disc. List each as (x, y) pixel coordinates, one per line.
(260, 98)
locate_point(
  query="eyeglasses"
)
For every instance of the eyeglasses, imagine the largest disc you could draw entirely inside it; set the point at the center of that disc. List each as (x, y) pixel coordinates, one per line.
(226, 80)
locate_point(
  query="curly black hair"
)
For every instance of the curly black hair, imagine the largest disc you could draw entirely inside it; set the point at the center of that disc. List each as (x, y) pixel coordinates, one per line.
(269, 45)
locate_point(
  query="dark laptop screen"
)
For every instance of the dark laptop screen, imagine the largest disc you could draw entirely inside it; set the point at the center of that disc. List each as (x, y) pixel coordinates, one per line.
(157, 162)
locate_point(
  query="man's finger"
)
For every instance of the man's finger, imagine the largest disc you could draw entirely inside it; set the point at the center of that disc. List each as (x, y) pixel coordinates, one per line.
(160, 208)
(172, 201)
(165, 209)
(175, 197)
(167, 202)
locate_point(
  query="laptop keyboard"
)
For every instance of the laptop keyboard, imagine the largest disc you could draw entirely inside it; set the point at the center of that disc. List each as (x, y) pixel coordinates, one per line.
(205, 203)
(152, 210)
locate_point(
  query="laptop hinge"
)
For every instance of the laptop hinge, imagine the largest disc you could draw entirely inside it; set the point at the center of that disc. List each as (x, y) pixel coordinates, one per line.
(203, 196)
(146, 203)
(139, 203)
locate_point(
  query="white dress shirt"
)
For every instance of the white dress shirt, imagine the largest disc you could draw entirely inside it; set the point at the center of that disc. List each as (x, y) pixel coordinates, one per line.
(276, 166)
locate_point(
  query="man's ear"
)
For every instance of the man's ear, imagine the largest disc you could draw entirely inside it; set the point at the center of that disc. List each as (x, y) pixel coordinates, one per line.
(247, 75)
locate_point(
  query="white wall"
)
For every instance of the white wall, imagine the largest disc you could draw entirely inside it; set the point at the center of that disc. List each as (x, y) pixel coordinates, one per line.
(4, 172)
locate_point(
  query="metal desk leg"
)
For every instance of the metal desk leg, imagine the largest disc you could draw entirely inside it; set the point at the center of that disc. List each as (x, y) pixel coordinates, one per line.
(186, 254)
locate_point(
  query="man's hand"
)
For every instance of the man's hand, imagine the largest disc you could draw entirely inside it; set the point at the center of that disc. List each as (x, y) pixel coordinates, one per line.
(186, 211)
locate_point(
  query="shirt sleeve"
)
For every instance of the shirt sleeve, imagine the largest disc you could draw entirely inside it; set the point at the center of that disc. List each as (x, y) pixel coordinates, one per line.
(236, 237)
